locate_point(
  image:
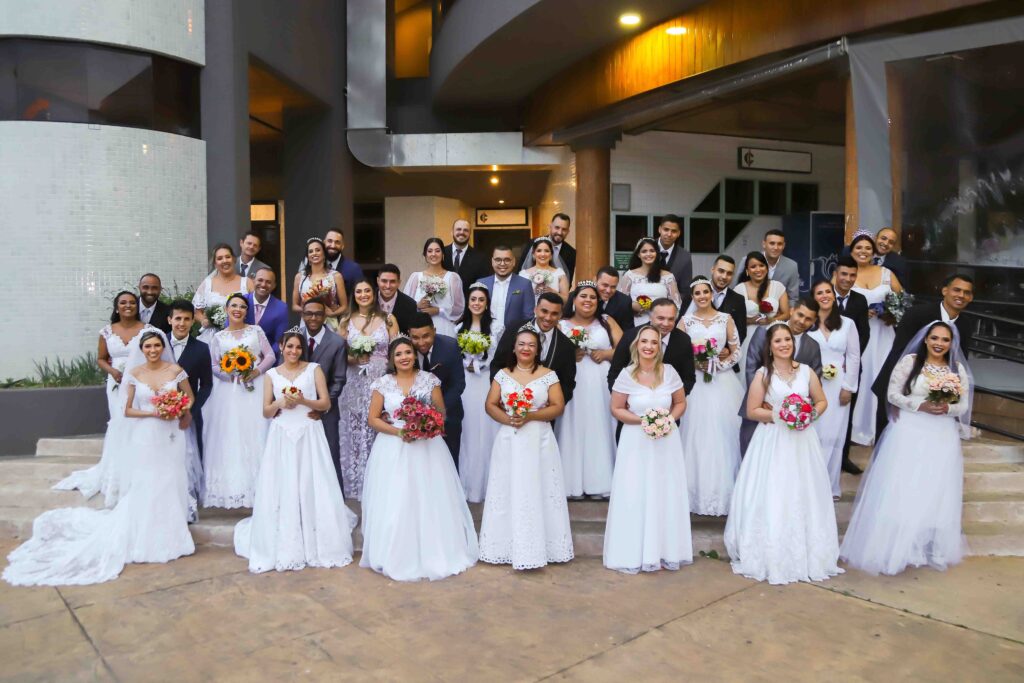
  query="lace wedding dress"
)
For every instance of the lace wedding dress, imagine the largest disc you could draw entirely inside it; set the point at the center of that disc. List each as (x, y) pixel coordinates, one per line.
(526, 519)
(648, 525)
(841, 350)
(908, 510)
(450, 306)
(635, 285)
(416, 524)
(782, 523)
(299, 517)
(353, 405)
(77, 546)
(710, 428)
(871, 361)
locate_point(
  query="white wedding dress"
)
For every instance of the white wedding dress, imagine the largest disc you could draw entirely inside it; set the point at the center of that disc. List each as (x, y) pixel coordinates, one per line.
(585, 431)
(871, 361)
(77, 546)
(782, 523)
(842, 350)
(908, 510)
(478, 429)
(450, 306)
(773, 297)
(648, 526)
(635, 285)
(554, 279)
(710, 428)
(299, 517)
(205, 297)
(416, 524)
(234, 429)
(526, 518)
(110, 476)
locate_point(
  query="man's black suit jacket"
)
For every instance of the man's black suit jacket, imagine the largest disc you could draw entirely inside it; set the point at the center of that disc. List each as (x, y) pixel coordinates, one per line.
(561, 356)
(403, 310)
(566, 252)
(678, 354)
(857, 311)
(620, 309)
(913, 320)
(474, 266)
(195, 360)
(161, 312)
(893, 261)
(733, 304)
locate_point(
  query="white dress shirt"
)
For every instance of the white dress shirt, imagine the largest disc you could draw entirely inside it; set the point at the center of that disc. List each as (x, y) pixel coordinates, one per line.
(387, 306)
(498, 297)
(145, 314)
(245, 266)
(945, 316)
(178, 346)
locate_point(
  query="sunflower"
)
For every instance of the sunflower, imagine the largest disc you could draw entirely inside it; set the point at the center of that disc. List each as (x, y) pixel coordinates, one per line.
(243, 361)
(227, 363)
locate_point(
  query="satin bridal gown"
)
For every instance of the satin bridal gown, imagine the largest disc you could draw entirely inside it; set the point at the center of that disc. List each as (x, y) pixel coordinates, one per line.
(871, 361)
(478, 429)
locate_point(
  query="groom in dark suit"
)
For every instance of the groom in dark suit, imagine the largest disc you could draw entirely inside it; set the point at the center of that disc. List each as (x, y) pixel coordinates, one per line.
(194, 358)
(723, 297)
(328, 350)
(470, 264)
(392, 299)
(802, 316)
(556, 352)
(440, 355)
(614, 303)
(676, 347)
(677, 259)
(854, 306)
(564, 256)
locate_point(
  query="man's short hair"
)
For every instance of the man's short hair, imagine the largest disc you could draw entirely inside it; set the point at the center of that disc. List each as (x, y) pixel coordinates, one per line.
(663, 301)
(808, 302)
(314, 300)
(846, 262)
(420, 319)
(776, 232)
(390, 268)
(145, 275)
(609, 271)
(266, 268)
(671, 218)
(253, 233)
(561, 216)
(726, 258)
(958, 276)
(182, 305)
(500, 247)
(551, 298)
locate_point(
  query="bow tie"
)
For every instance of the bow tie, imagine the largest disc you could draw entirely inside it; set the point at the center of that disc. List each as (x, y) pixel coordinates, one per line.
(175, 343)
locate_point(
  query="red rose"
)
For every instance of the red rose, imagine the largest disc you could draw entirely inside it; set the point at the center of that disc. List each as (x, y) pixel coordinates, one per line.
(805, 408)
(765, 306)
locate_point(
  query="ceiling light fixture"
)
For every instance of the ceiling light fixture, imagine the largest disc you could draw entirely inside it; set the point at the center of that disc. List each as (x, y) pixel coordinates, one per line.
(494, 180)
(501, 201)
(494, 167)
(629, 19)
(676, 30)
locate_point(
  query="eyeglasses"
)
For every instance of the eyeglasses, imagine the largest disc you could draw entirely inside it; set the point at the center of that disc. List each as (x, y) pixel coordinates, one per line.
(502, 260)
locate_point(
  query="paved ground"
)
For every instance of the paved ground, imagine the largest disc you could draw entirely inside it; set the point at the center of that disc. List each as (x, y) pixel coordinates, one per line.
(206, 618)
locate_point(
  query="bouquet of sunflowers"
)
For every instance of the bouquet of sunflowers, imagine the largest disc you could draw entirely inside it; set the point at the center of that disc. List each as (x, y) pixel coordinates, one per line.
(239, 363)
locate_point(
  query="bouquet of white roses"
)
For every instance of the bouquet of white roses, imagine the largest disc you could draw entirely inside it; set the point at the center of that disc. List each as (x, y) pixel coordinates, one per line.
(830, 371)
(541, 278)
(657, 423)
(361, 345)
(217, 316)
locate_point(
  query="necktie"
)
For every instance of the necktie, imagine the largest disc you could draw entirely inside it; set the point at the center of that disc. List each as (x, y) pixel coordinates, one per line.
(146, 315)
(842, 302)
(312, 345)
(458, 259)
(426, 361)
(242, 268)
(664, 257)
(877, 260)
(260, 308)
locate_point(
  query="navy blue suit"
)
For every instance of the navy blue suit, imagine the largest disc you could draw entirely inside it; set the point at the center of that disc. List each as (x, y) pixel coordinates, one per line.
(446, 365)
(196, 361)
(519, 301)
(274, 321)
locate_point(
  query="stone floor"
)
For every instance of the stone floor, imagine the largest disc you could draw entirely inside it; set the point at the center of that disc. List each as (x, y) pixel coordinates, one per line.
(206, 618)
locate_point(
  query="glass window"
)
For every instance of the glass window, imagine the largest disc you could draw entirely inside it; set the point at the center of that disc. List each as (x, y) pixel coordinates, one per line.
(739, 196)
(628, 231)
(51, 82)
(713, 202)
(771, 198)
(805, 197)
(704, 238)
(368, 231)
(733, 228)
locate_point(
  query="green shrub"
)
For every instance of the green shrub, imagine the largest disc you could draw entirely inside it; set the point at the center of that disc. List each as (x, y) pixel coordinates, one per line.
(77, 372)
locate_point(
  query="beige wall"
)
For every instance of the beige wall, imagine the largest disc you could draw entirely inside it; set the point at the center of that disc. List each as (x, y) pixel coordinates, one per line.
(559, 194)
(409, 221)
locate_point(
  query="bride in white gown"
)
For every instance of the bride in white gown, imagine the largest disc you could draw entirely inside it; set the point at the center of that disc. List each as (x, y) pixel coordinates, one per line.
(117, 353)
(416, 523)
(908, 509)
(215, 289)
(299, 516)
(648, 525)
(526, 518)
(76, 546)
(782, 523)
(444, 309)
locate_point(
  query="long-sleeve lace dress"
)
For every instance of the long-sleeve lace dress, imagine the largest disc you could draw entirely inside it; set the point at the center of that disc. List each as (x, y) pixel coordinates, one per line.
(354, 405)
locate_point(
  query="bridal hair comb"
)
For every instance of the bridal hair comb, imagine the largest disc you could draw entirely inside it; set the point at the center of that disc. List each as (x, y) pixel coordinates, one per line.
(479, 285)
(699, 280)
(402, 335)
(296, 330)
(861, 232)
(586, 283)
(314, 239)
(776, 324)
(528, 327)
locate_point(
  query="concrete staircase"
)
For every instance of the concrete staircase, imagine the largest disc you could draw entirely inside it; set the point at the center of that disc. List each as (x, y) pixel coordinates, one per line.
(993, 515)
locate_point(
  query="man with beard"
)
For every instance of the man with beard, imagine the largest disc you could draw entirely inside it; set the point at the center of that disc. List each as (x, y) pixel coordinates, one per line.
(392, 299)
(723, 297)
(151, 309)
(334, 244)
(614, 303)
(461, 258)
(564, 256)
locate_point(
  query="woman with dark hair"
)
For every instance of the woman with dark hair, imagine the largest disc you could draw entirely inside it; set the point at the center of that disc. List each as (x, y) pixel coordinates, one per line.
(366, 327)
(77, 546)
(782, 522)
(234, 428)
(710, 428)
(647, 279)
(299, 518)
(908, 509)
(212, 293)
(478, 429)
(437, 292)
(544, 275)
(526, 518)
(875, 282)
(648, 525)
(117, 341)
(586, 440)
(766, 300)
(840, 362)
(318, 281)
(416, 524)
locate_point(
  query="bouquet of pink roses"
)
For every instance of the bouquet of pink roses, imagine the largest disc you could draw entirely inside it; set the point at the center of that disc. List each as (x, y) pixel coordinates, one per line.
(797, 412)
(704, 352)
(657, 423)
(944, 388)
(422, 421)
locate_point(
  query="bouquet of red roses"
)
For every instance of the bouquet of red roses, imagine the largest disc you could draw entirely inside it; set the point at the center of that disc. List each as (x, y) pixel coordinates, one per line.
(422, 421)
(518, 405)
(766, 307)
(797, 412)
(171, 404)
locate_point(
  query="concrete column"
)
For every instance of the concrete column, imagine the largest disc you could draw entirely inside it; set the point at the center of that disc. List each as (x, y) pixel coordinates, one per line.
(852, 195)
(592, 222)
(224, 93)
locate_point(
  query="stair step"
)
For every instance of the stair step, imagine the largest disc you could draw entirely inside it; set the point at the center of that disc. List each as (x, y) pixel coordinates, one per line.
(79, 446)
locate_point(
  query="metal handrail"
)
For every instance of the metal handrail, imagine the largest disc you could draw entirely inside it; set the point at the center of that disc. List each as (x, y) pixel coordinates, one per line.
(1018, 398)
(998, 430)
(995, 354)
(998, 342)
(993, 317)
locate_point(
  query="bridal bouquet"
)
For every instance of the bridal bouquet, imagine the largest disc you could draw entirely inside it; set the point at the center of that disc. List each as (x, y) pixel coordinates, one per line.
(318, 290)
(944, 388)
(422, 421)
(292, 391)
(361, 345)
(434, 287)
(894, 307)
(239, 362)
(830, 371)
(644, 302)
(474, 343)
(797, 412)
(216, 316)
(657, 423)
(704, 352)
(171, 404)
(541, 278)
(518, 405)
(765, 307)
(580, 337)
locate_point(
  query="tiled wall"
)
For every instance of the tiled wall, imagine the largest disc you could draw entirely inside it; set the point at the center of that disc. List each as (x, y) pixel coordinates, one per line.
(87, 210)
(673, 172)
(170, 27)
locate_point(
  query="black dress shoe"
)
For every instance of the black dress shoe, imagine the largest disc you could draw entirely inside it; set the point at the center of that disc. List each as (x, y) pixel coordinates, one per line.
(850, 467)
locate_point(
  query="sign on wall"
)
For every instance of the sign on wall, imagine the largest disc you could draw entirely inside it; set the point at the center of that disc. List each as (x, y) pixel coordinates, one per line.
(758, 159)
(502, 217)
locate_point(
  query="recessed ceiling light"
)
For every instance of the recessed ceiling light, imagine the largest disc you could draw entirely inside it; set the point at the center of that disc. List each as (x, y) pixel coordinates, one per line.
(501, 201)
(494, 180)
(676, 30)
(494, 167)
(629, 19)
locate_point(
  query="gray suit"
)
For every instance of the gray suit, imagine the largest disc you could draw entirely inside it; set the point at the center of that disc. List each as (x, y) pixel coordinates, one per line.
(680, 264)
(807, 352)
(330, 354)
(787, 273)
(254, 267)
